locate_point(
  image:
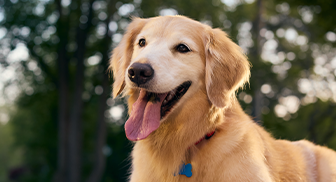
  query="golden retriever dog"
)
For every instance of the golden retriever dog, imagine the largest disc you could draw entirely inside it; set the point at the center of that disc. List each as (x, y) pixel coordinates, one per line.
(181, 78)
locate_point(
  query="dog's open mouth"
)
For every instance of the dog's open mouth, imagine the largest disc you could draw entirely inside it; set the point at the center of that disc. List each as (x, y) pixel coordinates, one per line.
(173, 97)
(149, 109)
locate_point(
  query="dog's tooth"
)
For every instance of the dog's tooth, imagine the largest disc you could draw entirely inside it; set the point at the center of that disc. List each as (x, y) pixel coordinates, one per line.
(170, 96)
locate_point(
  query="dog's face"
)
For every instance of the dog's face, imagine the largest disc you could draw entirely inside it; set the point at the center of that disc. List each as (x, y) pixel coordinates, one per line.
(162, 62)
(173, 53)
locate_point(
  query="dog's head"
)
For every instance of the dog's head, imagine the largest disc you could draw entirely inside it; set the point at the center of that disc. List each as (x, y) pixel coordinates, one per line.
(164, 62)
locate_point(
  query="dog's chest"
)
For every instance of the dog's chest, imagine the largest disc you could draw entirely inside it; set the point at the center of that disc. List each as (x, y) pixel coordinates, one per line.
(204, 167)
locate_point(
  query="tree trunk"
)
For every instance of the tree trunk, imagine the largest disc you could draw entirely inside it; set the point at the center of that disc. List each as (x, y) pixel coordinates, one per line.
(75, 126)
(63, 97)
(257, 104)
(99, 158)
(258, 97)
(62, 122)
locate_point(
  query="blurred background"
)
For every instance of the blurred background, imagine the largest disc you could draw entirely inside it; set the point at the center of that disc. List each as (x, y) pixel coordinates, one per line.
(59, 123)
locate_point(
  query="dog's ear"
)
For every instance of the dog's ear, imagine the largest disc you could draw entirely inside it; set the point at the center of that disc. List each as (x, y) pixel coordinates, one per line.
(227, 68)
(122, 54)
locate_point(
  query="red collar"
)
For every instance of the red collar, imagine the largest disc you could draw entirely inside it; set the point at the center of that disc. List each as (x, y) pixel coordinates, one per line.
(207, 137)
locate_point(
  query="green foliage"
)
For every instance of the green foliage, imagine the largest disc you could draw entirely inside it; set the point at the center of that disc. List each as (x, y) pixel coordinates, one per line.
(10, 156)
(34, 125)
(313, 122)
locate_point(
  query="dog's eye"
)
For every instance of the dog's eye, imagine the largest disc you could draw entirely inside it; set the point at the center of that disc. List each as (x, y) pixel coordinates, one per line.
(182, 48)
(142, 42)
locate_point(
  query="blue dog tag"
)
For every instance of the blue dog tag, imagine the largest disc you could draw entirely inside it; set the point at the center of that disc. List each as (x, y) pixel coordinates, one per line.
(186, 170)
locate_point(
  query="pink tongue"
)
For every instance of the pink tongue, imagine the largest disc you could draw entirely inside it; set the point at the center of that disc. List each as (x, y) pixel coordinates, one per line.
(144, 118)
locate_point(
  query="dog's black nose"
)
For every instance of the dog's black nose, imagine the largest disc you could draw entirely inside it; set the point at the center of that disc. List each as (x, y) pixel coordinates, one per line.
(140, 73)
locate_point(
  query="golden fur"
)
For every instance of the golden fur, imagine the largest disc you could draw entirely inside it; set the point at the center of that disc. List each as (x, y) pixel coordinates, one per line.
(240, 150)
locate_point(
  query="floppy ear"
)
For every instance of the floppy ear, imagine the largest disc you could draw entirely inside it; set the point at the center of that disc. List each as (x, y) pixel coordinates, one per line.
(122, 54)
(226, 68)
